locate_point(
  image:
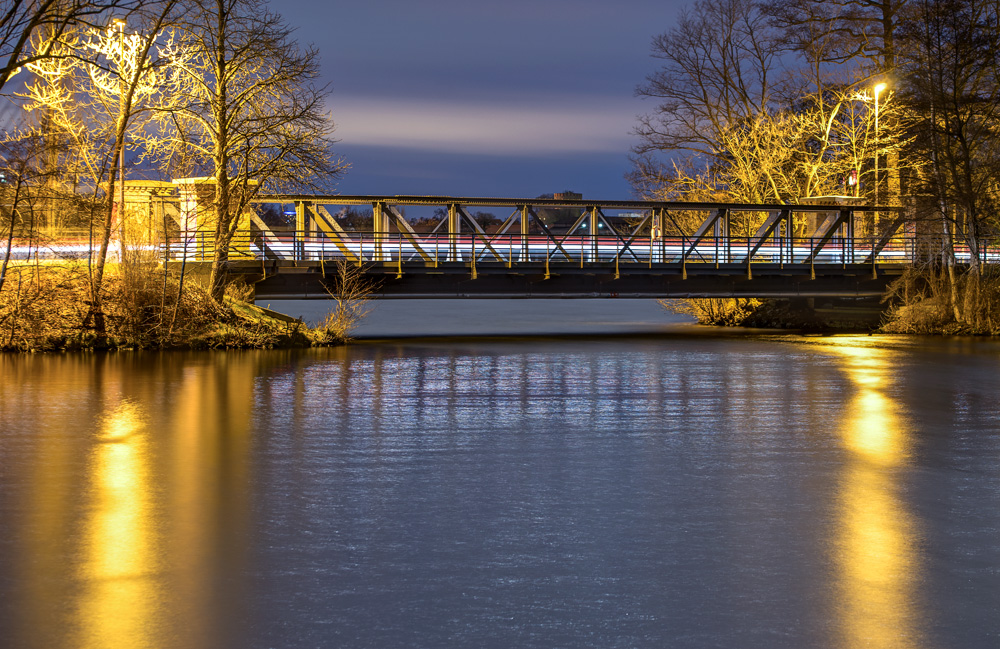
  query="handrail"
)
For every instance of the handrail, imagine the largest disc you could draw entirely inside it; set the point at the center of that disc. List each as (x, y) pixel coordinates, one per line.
(514, 249)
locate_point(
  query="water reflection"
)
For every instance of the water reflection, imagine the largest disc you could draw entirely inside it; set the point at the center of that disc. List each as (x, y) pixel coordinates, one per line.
(875, 541)
(533, 494)
(118, 605)
(136, 477)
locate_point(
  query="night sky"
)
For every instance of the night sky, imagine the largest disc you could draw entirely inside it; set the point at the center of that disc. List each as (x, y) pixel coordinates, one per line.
(465, 98)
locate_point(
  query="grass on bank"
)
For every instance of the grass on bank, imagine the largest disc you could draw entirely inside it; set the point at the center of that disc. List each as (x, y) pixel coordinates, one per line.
(928, 300)
(48, 307)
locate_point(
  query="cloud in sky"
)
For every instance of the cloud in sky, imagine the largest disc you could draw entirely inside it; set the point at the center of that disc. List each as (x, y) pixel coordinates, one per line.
(551, 128)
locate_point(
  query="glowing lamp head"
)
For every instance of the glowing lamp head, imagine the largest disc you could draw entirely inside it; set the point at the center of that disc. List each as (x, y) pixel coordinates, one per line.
(879, 88)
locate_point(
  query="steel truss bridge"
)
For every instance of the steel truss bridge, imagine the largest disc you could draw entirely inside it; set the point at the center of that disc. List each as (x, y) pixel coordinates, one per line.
(602, 249)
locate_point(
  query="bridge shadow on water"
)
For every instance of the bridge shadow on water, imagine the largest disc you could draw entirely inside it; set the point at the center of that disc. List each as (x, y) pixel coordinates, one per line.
(560, 318)
(430, 318)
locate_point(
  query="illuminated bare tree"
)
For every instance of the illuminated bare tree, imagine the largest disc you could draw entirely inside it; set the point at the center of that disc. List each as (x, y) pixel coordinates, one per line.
(247, 111)
(21, 21)
(951, 76)
(19, 175)
(739, 121)
(93, 89)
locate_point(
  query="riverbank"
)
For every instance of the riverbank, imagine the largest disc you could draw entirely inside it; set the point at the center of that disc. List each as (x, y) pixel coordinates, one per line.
(46, 309)
(807, 315)
(921, 301)
(50, 307)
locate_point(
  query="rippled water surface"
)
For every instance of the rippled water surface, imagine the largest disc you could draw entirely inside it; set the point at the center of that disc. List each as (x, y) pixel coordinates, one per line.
(660, 491)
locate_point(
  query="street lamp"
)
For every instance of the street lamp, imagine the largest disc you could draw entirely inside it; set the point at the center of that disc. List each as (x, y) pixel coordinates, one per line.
(878, 88)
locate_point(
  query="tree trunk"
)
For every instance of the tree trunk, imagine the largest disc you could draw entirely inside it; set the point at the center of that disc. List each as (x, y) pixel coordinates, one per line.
(949, 260)
(97, 280)
(220, 258)
(10, 234)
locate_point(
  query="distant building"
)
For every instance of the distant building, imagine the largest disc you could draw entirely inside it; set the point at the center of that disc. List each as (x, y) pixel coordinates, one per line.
(560, 218)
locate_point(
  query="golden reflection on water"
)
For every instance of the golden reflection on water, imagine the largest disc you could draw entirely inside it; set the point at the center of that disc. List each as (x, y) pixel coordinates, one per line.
(118, 605)
(875, 536)
(139, 498)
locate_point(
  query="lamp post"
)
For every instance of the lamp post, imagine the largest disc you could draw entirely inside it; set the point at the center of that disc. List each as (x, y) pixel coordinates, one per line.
(878, 89)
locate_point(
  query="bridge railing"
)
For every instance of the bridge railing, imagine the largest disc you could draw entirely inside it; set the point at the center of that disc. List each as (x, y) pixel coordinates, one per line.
(407, 250)
(563, 232)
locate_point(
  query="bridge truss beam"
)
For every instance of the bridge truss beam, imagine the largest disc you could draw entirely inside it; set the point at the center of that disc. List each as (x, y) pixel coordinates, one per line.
(577, 246)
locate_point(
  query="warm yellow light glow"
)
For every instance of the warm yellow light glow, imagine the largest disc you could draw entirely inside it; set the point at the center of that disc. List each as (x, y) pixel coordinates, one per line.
(879, 88)
(871, 425)
(874, 538)
(129, 554)
(119, 603)
(871, 430)
(877, 562)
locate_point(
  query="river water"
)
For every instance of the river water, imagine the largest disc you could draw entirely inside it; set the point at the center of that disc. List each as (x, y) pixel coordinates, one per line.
(672, 488)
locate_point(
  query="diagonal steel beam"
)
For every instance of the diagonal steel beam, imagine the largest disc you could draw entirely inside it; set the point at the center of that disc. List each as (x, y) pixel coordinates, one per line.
(478, 231)
(328, 224)
(270, 239)
(773, 220)
(703, 230)
(603, 219)
(826, 233)
(632, 237)
(887, 236)
(677, 225)
(576, 224)
(548, 233)
(407, 231)
(502, 230)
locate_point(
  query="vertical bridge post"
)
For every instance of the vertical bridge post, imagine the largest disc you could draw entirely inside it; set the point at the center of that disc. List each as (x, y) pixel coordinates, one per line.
(594, 241)
(454, 229)
(380, 231)
(524, 232)
(299, 247)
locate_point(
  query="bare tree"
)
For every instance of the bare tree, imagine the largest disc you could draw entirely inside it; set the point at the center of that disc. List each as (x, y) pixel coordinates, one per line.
(23, 20)
(92, 88)
(863, 33)
(19, 176)
(720, 65)
(247, 110)
(739, 118)
(951, 75)
(352, 295)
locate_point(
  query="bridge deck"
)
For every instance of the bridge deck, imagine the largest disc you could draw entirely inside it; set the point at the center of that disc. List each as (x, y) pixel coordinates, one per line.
(310, 280)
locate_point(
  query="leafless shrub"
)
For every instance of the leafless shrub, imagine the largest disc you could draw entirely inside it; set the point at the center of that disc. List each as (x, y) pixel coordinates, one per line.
(351, 293)
(725, 312)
